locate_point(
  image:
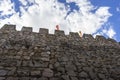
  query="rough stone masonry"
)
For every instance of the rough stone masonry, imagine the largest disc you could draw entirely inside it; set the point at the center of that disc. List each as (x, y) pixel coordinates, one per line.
(27, 55)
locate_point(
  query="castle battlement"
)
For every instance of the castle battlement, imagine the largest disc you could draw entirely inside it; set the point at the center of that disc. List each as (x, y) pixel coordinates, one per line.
(28, 55)
(28, 31)
(8, 28)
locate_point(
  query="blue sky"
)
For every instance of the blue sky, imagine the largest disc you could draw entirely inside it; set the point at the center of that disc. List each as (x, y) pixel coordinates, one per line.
(96, 17)
(114, 20)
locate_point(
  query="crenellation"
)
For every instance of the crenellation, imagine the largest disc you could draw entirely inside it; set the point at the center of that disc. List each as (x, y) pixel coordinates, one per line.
(88, 36)
(43, 31)
(26, 29)
(27, 33)
(59, 33)
(27, 55)
(100, 38)
(111, 40)
(9, 28)
(74, 35)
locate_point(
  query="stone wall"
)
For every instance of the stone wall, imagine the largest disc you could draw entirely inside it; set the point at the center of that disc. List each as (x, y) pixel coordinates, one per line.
(27, 55)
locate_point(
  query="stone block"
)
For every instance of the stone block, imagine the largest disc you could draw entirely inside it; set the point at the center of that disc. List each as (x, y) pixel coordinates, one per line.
(57, 64)
(2, 78)
(92, 75)
(44, 54)
(26, 57)
(26, 29)
(59, 33)
(100, 38)
(47, 73)
(88, 36)
(61, 69)
(69, 67)
(42, 78)
(43, 31)
(83, 74)
(54, 79)
(74, 78)
(72, 34)
(71, 73)
(45, 59)
(101, 76)
(22, 73)
(64, 59)
(24, 78)
(111, 40)
(35, 73)
(11, 72)
(3, 72)
(7, 27)
(12, 78)
(40, 64)
(65, 77)
(25, 63)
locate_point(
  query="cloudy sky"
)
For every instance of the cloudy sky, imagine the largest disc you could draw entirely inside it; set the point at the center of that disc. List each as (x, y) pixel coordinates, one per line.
(96, 17)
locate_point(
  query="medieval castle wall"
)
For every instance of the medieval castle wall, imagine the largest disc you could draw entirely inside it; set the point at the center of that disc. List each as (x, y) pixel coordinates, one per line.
(27, 55)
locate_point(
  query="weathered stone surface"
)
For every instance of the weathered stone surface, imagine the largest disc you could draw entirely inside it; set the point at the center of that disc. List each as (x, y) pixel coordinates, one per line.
(12, 78)
(54, 79)
(65, 58)
(27, 55)
(43, 31)
(92, 75)
(88, 36)
(70, 67)
(23, 72)
(65, 77)
(74, 78)
(101, 76)
(40, 64)
(11, 72)
(24, 78)
(83, 74)
(42, 78)
(3, 72)
(45, 59)
(71, 73)
(2, 78)
(57, 64)
(44, 54)
(61, 69)
(7, 27)
(35, 73)
(26, 29)
(47, 73)
(59, 33)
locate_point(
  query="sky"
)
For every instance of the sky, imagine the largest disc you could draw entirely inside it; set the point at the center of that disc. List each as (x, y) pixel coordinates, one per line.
(96, 17)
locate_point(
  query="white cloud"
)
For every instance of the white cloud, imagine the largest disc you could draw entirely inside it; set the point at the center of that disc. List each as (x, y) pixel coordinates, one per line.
(6, 7)
(23, 2)
(118, 9)
(48, 13)
(111, 33)
(108, 32)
